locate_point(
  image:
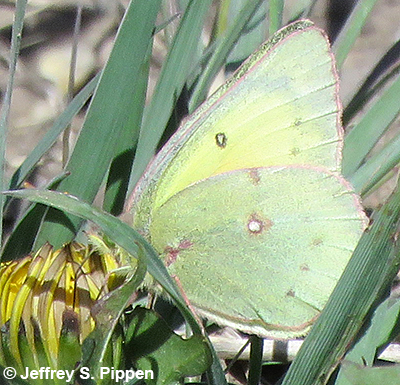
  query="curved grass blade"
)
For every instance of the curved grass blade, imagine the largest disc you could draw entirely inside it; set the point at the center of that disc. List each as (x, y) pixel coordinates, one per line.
(119, 232)
(376, 168)
(23, 238)
(127, 238)
(366, 278)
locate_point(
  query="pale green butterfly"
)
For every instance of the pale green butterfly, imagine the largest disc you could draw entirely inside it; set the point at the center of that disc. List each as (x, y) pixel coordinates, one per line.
(246, 204)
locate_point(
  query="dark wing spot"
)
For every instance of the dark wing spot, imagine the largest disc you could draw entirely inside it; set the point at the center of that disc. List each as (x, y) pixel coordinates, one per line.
(254, 176)
(317, 242)
(221, 140)
(304, 267)
(171, 253)
(290, 293)
(295, 151)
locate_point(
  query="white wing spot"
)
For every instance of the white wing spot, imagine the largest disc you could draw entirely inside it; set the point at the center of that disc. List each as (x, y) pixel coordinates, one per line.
(256, 225)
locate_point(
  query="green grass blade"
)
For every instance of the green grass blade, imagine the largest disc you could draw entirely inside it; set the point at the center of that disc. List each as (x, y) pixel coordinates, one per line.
(256, 355)
(120, 87)
(24, 235)
(223, 48)
(5, 109)
(252, 34)
(275, 15)
(300, 9)
(363, 137)
(216, 375)
(351, 30)
(367, 276)
(386, 69)
(121, 166)
(176, 69)
(376, 167)
(22, 240)
(222, 19)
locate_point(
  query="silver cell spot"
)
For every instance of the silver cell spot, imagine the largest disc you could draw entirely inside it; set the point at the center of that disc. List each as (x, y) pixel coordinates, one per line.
(255, 226)
(221, 139)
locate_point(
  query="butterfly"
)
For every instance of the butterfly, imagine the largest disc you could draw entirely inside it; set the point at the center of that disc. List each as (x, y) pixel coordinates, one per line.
(246, 204)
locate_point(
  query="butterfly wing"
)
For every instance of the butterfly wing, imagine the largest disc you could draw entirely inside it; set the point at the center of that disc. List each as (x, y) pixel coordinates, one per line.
(245, 202)
(281, 107)
(260, 249)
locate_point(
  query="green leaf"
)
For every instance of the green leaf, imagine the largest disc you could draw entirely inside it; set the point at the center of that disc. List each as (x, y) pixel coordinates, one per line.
(361, 375)
(384, 326)
(152, 345)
